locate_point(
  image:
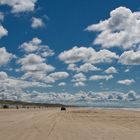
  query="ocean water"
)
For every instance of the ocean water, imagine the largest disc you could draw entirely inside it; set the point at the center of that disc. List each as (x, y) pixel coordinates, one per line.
(116, 105)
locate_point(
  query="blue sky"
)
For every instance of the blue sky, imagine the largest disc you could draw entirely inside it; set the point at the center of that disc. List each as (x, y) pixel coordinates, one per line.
(66, 51)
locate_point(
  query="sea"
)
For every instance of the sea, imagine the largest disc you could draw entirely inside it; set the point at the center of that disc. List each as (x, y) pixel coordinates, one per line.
(115, 105)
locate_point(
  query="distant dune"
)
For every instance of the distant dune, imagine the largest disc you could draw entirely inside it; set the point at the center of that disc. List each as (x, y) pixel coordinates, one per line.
(21, 104)
(73, 124)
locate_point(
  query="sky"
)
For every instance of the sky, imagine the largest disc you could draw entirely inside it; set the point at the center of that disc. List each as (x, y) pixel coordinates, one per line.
(67, 51)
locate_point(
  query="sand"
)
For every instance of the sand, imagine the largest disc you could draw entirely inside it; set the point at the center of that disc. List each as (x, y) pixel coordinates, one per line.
(74, 124)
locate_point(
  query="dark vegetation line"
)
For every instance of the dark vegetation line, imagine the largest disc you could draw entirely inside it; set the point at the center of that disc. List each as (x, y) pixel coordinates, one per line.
(17, 104)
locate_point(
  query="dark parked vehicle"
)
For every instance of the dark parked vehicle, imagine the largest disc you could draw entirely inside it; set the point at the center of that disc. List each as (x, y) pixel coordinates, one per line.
(5, 106)
(63, 108)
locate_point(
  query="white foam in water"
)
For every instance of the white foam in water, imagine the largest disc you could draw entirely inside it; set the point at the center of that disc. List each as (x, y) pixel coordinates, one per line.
(133, 109)
(109, 108)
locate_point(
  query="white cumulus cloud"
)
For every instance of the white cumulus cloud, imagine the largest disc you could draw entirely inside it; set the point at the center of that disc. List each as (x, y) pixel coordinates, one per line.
(111, 70)
(83, 68)
(84, 54)
(33, 63)
(3, 31)
(61, 84)
(120, 30)
(130, 58)
(31, 46)
(53, 77)
(19, 6)
(34, 67)
(1, 16)
(101, 77)
(37, 22)
(79, 79)
(5, 57)
(126, 81)
(3, 75)
(79, 98)
(31, 59)
(36, 46)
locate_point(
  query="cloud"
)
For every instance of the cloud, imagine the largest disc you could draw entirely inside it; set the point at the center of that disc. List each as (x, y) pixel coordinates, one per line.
(33, 63)
(120, 30)
(3, 75)
(35, 45)
(59, 75)
(79, 80)
(79, 77)
(75, 55)
(110, 70)
(53, 77)
(34, 76)
(36, 72)
(5, 57)
(127, 82)
(83, 68)
(130, 58)
(37, 22)
(126, 70)
(38, 67)
(34, 67)
(62, 84)
(101, 77)
(79, 98)
(1, 16)
(79, 84)
(87, 55)
(31, 46)
(7, 81)
(19, 6)
(3, 32)
(31, 59)
(16, 89)
(17, 83)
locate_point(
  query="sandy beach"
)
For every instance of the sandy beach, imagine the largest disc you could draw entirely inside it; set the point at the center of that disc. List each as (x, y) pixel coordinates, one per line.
(74, 124)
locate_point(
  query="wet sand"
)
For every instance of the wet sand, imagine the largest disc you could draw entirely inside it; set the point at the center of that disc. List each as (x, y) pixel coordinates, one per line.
(74, 124)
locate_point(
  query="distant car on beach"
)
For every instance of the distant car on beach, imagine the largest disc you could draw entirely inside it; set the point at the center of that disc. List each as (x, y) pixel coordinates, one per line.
(5, 106)
(63, 108)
